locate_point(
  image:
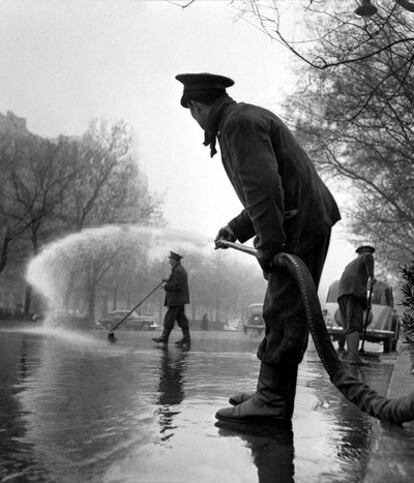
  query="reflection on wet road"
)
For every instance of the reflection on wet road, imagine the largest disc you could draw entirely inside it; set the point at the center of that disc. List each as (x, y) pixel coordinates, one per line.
(76, 408)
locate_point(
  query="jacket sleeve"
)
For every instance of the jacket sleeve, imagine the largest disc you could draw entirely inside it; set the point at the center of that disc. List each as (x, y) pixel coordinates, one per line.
(256, 165)
(242, 226)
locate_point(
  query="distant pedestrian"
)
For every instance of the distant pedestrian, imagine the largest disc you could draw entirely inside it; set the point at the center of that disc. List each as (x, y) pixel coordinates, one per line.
(352, 299)
(204, 322)
(176, 296)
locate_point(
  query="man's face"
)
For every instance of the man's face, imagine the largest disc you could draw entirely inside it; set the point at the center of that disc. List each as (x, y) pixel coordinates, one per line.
(173, 262)
(199, 112)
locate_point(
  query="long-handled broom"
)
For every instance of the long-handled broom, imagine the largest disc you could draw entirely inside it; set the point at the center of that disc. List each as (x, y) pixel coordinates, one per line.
(111, 334)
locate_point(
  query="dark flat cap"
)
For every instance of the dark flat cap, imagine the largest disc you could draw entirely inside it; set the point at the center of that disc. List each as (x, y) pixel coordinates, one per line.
(175, 256)
(365, 248)
(203, 82)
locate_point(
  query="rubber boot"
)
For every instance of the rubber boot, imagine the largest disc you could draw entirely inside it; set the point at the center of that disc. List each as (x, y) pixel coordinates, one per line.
(341, 344)
(273, 400)
(185, 341)
(352, 341)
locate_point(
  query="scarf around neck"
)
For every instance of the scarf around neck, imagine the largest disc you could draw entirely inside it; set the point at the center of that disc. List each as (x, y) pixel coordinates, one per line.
(217, 109)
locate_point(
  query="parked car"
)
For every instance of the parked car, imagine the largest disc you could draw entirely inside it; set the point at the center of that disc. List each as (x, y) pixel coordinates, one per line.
(132, 322)
(68, 319)
(383, 321)
(254, 319)
(232, 325)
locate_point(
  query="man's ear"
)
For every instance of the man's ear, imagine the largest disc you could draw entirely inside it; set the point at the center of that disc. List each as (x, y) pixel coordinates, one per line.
(194, 105)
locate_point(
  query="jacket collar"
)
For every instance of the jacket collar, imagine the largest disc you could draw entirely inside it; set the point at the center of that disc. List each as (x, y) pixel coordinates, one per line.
(217, 110)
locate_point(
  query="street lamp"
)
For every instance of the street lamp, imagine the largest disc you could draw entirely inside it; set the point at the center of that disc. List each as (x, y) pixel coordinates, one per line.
(366, 9)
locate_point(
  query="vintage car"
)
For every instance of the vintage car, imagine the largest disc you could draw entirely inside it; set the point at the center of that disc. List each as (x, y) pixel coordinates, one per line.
(383, 321)
(132, 322)
(67, 319)
(253, 320)
(232, 325)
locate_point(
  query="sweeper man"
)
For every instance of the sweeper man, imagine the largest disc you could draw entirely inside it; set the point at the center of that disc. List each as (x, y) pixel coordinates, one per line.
(352, 299)
(287, 208)
(177, 295)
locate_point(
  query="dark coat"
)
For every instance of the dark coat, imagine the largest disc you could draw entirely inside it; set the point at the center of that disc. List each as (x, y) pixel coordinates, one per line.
(286, 203)
(176, 288)
(355, 277)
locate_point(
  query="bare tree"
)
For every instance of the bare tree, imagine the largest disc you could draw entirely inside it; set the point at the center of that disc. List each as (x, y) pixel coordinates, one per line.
(330, 21)
(358, 124)
(52, 187)
(109, 188)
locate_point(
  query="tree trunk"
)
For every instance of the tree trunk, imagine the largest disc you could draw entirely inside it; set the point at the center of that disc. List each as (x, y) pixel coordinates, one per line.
(91, 302)
(105, 304)
(28, 296)
(27, 302)
(3, 253)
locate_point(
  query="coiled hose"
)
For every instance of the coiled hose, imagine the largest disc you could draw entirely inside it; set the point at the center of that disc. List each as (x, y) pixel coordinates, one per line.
(392, 410)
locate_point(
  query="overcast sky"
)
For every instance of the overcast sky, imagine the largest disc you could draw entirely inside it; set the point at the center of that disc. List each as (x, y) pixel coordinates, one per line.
(68, 61)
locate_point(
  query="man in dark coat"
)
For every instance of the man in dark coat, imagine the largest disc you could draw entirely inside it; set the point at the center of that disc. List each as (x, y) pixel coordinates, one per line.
(176, 296)
(352, 299)
(287, 207)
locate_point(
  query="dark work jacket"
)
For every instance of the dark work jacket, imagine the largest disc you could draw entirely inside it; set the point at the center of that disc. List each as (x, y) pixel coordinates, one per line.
(176, 288)
(355, 277)
(286, 204)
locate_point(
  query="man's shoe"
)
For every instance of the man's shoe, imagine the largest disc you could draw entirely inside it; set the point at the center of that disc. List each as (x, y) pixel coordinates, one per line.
(182, 342)
(353, 353)
(160, 340)
(272, 402)
(240, 397)
(253, 410)
(358, 362)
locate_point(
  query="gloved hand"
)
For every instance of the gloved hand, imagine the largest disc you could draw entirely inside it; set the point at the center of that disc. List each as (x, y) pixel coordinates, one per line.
(266, 265)
(225, 233)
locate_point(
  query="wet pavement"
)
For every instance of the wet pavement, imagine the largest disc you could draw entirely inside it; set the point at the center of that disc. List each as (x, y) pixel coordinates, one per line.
(76, 408)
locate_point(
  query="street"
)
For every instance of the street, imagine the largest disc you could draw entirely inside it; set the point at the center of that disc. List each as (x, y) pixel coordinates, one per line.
(77, 408)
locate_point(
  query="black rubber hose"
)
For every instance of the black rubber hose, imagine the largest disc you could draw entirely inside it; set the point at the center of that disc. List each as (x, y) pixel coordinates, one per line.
(392, 410)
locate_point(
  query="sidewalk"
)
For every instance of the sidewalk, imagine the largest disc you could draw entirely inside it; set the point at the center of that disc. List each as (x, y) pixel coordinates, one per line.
(392, 448)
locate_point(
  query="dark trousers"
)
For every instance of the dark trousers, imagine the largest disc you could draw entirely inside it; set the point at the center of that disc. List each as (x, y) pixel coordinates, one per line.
(176, 313)
(352, 314)
(286, 335)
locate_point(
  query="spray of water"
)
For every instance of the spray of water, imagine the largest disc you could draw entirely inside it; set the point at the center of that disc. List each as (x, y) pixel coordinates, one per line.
(52, 270)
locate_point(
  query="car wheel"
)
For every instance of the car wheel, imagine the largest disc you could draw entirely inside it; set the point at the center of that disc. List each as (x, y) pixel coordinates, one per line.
(387, 345)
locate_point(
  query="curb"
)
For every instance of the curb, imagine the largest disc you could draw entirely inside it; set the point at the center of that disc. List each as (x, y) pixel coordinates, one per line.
(402, 375)
(392, 448)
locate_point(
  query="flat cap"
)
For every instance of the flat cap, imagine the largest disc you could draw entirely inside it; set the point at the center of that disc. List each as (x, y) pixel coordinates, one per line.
(202, 82)
(175, 256)
(365, 248)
